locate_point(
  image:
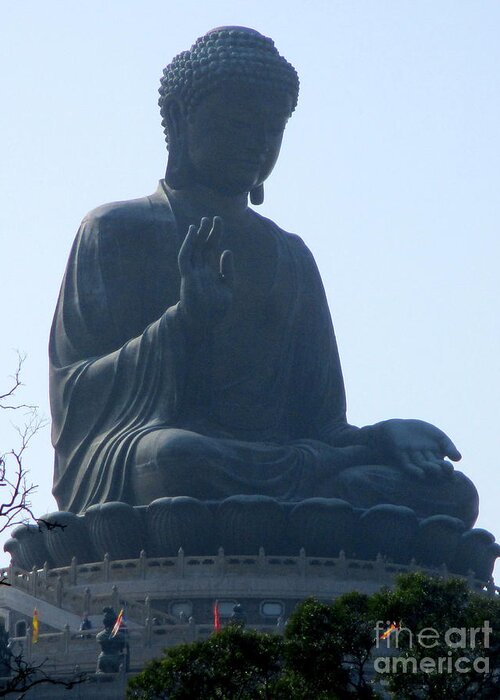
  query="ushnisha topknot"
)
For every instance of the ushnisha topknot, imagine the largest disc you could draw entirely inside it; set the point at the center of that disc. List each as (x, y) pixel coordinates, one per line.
(222, 55)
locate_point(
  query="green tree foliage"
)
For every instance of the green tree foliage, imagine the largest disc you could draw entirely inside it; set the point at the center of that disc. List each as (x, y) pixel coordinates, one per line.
(329, 650)
(437, 617)
(327, 647)
(232, 663)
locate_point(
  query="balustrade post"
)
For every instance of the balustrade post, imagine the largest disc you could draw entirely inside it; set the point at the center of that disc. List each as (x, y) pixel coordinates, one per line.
(73, 576)
(115, 598)
(180, 562)
(342, 563)
(192, 629)
(29, 642)
(87, 601)
(380, 567)
(302, 561)
(45, 571)
(105, 567)
(66, 639)
(147, 632)
(59, 592)
(143, 563)
(221, 561)
(34, 581)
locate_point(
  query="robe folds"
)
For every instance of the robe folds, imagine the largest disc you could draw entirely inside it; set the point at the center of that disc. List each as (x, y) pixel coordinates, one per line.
(120, 367)
(263, 391)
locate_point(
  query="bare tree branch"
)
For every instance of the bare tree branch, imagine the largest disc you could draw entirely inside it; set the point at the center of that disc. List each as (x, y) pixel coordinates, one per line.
(16, 504)
(15, 508)
(16, 383)
(25, 676)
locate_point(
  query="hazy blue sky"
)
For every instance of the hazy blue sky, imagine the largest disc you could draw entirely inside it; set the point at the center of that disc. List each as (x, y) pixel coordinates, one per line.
(389, 171)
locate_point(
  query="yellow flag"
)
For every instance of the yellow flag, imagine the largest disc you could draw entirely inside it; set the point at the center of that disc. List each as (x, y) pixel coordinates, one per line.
(34, 634)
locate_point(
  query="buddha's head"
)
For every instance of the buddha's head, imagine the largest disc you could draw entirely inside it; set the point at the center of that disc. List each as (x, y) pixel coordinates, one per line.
(225, 104)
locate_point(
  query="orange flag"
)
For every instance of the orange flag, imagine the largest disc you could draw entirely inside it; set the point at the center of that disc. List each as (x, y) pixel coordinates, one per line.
(216, 617)
(118, 624)
(34, 627)
(393, 627)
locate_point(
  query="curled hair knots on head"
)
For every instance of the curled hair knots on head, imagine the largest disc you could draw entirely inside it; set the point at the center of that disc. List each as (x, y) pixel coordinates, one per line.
(221, 55)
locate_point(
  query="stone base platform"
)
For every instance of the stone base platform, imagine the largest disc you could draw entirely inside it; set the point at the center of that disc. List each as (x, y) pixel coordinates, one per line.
(241, 524)
(170, 600)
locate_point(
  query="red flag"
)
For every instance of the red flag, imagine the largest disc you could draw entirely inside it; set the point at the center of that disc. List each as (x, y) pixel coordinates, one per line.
(216, 617)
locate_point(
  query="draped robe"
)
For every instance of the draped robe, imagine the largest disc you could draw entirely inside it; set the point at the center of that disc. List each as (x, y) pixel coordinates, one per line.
(265, 389)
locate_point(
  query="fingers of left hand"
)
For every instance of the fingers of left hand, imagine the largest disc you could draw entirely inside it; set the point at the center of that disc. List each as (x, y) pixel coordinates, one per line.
(409, 466)
(432, 463)
(449, 450)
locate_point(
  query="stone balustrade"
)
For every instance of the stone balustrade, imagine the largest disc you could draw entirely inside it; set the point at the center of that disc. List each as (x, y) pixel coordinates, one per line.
(73, 584)
(66, 648)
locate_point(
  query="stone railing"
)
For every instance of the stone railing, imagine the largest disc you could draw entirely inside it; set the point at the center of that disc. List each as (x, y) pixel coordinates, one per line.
(67, 648)
(71, 586)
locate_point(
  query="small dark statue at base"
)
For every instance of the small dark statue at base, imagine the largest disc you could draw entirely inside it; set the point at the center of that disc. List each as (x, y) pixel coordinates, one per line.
(199, 360)
(114, 648)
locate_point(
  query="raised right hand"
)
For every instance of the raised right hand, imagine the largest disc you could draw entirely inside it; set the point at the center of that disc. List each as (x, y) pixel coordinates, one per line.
(207, 276)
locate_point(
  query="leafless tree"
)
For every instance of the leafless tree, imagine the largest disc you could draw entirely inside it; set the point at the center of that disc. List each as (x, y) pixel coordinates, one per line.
(25, 676)
(19, 677)
(15, 505)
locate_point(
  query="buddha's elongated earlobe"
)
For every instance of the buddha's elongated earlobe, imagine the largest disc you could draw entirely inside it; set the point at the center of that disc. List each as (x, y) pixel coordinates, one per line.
(177, 175)
(257, 194)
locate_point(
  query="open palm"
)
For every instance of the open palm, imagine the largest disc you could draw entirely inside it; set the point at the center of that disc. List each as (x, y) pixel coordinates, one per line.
(416, 447)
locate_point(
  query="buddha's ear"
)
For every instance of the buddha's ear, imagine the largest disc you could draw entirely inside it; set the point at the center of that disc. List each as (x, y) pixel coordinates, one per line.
(175, 116)
(178, 163)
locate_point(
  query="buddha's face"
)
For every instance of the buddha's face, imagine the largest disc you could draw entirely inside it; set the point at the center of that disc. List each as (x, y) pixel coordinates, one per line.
(234, 139)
